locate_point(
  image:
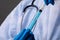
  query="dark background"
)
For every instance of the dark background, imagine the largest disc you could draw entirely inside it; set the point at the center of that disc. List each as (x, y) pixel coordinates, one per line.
(6, 6)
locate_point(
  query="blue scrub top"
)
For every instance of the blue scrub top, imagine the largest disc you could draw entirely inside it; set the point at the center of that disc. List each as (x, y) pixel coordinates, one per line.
(47, 26)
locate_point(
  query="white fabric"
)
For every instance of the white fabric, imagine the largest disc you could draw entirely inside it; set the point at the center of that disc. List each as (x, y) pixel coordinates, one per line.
(46, 28)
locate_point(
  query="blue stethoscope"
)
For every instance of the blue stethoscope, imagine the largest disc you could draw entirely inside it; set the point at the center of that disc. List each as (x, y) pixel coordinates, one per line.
(25, 32)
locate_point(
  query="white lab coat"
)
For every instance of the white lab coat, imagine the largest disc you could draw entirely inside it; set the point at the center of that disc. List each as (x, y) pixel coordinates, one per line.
(47, 26)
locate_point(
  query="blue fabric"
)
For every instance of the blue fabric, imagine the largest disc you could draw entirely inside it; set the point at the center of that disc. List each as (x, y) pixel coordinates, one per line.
(25, 34)
(46, 28)
(49, 2)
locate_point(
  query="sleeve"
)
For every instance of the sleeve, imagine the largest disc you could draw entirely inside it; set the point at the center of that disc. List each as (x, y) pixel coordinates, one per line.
(9, 26)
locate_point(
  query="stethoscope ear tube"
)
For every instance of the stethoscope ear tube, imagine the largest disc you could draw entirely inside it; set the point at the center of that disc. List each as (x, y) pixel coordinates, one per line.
(35, 18)
(24, 10)
(32, 5)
